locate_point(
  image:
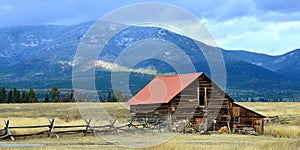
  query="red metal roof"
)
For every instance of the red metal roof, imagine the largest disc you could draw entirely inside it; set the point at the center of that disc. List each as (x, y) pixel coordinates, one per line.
(163, 88)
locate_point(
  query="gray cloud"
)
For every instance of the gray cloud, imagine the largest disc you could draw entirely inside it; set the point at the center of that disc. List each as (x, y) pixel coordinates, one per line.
(19, 12)
(219, 10)
(53, 11)
(281, 6)
(249, 24)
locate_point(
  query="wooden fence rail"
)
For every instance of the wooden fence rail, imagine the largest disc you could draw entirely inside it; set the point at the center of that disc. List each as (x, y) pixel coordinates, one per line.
(111, 127)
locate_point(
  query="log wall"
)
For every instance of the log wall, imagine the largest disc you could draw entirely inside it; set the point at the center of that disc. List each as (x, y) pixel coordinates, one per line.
(245, 118)
(215, 105)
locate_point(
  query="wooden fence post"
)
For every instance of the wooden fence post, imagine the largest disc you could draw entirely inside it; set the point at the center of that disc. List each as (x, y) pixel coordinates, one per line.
(7, 131)
(228, 125)
(130, 120)
(157, 124)
(88, 122)
(145, 124)
(112, 125)
(51, 128)
(169, 122)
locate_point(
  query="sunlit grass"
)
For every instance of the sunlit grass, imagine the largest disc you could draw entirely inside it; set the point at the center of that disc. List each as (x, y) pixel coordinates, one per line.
(277, 135)
(279, 130)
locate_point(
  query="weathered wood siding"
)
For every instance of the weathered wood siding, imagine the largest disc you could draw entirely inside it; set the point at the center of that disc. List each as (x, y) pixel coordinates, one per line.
(150, 111)
(217, 106)
(245, 118)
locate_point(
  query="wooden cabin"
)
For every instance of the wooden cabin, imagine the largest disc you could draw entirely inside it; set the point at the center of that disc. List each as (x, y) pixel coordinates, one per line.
(194, 97)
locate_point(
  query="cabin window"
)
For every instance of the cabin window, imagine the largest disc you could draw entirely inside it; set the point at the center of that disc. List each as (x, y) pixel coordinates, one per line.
(237, 119)
(201, 101)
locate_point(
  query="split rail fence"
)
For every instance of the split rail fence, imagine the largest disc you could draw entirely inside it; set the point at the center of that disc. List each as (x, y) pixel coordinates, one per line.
(87, 128)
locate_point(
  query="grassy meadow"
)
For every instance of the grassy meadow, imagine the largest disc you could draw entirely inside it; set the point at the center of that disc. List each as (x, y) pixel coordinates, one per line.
(284, 134)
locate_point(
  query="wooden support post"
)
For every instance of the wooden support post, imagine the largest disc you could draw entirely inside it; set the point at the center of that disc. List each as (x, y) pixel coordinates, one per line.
(229, 117)
(88, 122)
(145, 124)
(229, 129)
(276, 119)
(205, 97)
(51, 128)
(7, 131)
(198, 95)
(158, 125)
(214, 121)
(169, 122)
(262, 126)
(184, 128)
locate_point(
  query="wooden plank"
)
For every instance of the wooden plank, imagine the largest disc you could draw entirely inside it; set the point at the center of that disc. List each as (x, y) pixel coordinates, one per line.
(186, 107)
(150, 107)
(198, 95)
(75, 126)
(30, 134)
(205, 97)
(24, 127)
(240, 125)
(223, 106)
(104, 126)
(71, 131)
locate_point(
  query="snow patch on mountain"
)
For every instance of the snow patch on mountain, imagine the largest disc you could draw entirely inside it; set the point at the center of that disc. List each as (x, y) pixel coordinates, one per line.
(279, 60)
(258, 63)
(31, 44)
(69, 63)
(118, 68)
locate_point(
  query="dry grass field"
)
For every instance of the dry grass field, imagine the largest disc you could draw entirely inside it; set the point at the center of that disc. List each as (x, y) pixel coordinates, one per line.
(289, 118)
(284, 134)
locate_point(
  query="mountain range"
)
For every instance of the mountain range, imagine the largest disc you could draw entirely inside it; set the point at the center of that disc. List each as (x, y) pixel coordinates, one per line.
(42, 56)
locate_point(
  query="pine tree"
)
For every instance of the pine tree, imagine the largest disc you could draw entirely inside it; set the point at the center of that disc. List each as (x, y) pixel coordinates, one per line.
(109, 97)
(22, 97)
(32, 97)
(15, 98)
(54, 94)
(114, 98)
(118, 96)
(125, 98)
(2, 95)
(66, 98)
(72, 96)
(18, 99)
(46, 100)
(9, 97)
(25, 96)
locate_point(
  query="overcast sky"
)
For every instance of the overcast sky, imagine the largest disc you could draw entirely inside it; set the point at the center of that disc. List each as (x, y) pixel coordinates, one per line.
(263, 26)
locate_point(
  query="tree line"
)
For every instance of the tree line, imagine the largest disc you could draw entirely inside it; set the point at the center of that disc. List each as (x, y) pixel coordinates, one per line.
(15, 96)
(54, 95)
